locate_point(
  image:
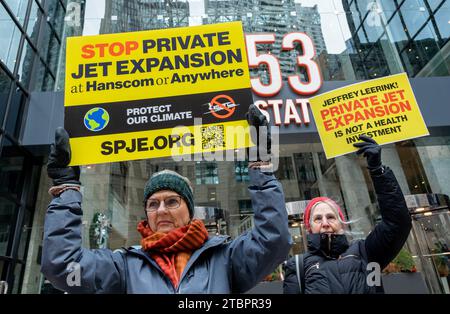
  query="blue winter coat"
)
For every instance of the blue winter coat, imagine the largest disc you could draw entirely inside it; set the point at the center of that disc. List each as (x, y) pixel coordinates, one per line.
(221, 265)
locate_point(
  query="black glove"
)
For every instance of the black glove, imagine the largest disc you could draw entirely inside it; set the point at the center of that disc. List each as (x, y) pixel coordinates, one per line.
(59, 159)
(257, 119)
(371, 150)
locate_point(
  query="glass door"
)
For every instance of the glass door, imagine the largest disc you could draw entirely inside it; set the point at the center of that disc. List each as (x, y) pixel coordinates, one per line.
(430, 232)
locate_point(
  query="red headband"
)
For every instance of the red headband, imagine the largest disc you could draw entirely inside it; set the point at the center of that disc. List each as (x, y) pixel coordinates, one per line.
(314, 201)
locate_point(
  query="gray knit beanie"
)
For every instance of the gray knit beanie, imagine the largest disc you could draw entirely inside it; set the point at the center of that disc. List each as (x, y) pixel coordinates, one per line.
(170, 180)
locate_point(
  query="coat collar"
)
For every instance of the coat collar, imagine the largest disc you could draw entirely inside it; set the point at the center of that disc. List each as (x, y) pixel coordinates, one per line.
(210, 243)
(327, 245)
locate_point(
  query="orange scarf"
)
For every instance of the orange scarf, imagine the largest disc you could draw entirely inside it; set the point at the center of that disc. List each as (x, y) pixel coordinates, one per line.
(171, 251)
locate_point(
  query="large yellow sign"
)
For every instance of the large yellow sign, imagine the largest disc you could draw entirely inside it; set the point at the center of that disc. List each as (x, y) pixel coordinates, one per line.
(125, 93)
(384, 108)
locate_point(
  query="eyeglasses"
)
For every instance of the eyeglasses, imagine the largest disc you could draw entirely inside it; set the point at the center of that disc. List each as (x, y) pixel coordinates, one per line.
(170, 202)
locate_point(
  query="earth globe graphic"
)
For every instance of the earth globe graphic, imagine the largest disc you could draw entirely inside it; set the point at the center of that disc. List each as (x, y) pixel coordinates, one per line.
(96, 119)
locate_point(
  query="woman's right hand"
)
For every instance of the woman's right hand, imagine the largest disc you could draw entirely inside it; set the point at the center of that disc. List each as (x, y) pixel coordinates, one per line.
(259, 121)
(58, 161)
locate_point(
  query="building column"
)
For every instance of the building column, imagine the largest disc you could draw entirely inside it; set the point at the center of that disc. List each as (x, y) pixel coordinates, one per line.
(390, 158)
(435, 161)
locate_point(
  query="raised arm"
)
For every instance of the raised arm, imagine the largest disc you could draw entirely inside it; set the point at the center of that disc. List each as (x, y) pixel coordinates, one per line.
(257, 253)
(65, 263)
(389, 235)
(69, 266)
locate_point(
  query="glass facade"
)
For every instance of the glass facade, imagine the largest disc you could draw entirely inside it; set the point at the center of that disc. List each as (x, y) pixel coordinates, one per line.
(354, 40)
(28, 63)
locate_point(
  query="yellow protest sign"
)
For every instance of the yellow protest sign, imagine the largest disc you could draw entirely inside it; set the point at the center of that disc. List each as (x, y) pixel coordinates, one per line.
(385, 109)
(125, 93)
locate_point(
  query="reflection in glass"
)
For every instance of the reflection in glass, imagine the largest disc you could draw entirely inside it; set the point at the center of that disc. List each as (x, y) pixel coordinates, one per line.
(435, 3)
(241, 171)
(7, 217)
(56, 15)
(414, 16)
(414, 35)
(19, 8)
(206, 173)
(420, 52)
(26, 63)
(5, 87)
(285, 169)
(397, 32)
(9, 39)
(442, 18)
(53, 54)
(44, 81)
(306, 175)
(33, 22)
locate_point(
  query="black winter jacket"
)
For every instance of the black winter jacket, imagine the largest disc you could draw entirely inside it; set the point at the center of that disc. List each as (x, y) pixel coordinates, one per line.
(348, 273)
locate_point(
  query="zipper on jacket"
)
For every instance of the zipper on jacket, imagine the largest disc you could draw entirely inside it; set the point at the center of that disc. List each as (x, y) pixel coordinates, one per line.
(316, 265)
(153, 264)
(350, 255)
(186, 270)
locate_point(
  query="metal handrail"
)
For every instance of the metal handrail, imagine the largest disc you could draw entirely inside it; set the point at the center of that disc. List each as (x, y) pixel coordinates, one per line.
(430, 255)
(3, 287)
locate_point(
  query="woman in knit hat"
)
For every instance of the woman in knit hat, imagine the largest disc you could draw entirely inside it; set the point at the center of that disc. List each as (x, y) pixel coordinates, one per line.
(176, 255)
(332, 264)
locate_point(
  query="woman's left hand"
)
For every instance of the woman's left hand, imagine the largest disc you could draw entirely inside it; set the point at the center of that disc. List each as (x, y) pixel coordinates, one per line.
(371, 150)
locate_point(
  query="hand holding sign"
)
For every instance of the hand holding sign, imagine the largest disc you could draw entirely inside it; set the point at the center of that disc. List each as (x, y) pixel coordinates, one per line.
(258, 120)
(127, 94)
(384, 108)
(59, 159)
(371, 150)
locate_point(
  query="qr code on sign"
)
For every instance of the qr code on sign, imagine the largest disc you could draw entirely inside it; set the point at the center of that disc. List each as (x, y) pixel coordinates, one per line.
(213, 136)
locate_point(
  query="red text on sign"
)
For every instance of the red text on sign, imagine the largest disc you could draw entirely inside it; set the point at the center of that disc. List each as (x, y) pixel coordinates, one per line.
(114, 49)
